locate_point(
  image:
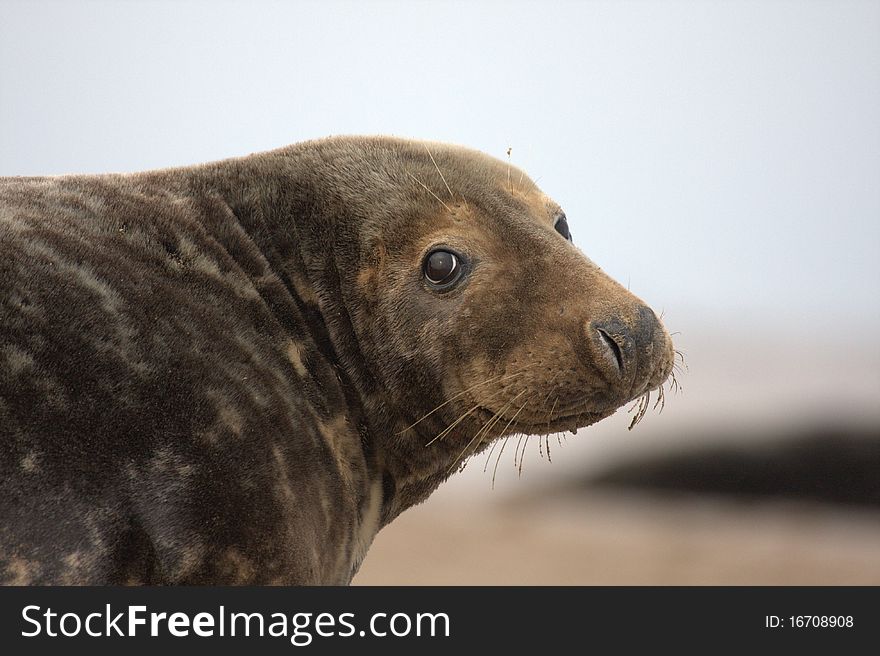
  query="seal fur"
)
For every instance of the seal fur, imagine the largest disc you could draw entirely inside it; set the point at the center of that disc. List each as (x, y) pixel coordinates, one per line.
(235, 373)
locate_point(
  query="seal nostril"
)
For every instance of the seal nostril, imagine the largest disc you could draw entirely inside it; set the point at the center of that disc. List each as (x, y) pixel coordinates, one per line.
(612, 346)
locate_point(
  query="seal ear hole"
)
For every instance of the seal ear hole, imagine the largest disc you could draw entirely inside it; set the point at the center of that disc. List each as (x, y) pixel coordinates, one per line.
(377, 254)
(442, 269)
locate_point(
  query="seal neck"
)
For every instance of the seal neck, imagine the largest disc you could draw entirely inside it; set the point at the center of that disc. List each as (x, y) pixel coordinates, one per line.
(298, 224)
(302, 221)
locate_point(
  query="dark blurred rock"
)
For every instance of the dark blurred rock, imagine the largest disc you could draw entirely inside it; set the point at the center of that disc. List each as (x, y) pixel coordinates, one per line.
(829, 464)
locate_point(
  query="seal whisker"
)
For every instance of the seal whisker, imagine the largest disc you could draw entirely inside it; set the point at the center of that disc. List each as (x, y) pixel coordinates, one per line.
(550, 416)
(674, 385)
(495, 471)
(491, 397)
(429, 191)
(494, 443)
(505, 442)
(522, 457)
(484, 430)
(489, 456)
(643, 402)
(496, 379)
(434, 162)
(446, 430)
(500, 414)
(512, 419)
(680, 355)
(550, 385)
(524, 440)
(516, 449)
(455, 423)
(661, 399)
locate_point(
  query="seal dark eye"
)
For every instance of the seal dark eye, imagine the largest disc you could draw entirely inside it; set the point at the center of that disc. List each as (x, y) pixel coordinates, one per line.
(561, 227)
(442, 269)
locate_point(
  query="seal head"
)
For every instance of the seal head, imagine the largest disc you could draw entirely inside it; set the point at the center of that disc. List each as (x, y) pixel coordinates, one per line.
(478, 316)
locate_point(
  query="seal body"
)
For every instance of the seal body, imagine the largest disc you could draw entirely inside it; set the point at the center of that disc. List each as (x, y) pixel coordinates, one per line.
(239, 372)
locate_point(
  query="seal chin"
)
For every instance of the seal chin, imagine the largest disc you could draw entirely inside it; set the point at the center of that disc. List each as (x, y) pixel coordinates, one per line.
(555, 423)
(566, 423)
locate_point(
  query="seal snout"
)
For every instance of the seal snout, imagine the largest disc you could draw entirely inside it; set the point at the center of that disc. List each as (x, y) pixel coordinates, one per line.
(625, 348)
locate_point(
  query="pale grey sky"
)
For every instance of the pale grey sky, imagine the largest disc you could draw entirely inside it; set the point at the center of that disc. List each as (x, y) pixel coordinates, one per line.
(723, 158)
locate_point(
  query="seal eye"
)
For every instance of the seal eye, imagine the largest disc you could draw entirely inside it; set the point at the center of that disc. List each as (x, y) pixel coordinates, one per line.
(561, 227)
(442, 269)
